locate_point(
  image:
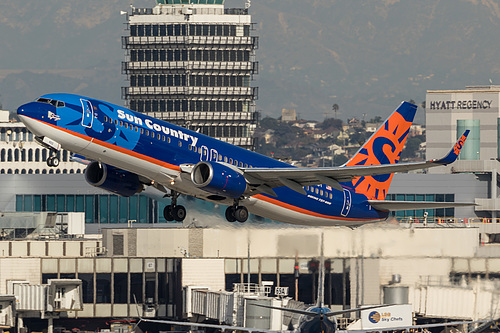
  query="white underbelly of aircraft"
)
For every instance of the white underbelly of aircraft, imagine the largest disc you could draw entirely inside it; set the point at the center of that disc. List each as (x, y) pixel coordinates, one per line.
(71, 142)
(275, 212)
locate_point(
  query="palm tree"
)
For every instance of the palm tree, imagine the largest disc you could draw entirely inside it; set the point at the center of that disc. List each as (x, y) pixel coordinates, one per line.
(335, 108)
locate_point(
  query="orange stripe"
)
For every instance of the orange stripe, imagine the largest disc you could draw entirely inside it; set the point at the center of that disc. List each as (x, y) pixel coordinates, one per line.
(116, 148)
(305, 211)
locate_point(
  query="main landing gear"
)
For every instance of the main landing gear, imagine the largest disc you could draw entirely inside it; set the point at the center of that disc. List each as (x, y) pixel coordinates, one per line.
(173, 211)
(236, 213)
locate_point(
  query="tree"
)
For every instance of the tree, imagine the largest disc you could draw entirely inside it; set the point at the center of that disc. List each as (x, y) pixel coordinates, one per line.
(335, 108)
(331, 122)
(268, 123)
(377, 119)
(412, 146)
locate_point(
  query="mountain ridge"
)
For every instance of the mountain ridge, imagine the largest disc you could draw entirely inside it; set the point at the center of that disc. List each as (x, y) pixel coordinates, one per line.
(365, 57)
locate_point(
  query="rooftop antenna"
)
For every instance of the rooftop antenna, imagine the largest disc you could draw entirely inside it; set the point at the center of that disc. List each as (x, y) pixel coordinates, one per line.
(248, 3)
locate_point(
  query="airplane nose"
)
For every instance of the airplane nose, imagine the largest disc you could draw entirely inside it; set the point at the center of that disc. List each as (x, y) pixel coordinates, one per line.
(23, 109)
(28, 109)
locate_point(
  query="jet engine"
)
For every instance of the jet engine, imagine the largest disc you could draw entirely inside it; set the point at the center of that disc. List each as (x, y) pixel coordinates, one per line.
(112, 179)
(218, 179)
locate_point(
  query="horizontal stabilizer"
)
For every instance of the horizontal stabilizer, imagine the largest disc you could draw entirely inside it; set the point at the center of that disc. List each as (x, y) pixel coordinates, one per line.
(389, 205)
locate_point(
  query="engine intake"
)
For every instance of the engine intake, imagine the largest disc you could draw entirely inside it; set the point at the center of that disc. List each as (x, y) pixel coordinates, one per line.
(218, 179)
(112, 179)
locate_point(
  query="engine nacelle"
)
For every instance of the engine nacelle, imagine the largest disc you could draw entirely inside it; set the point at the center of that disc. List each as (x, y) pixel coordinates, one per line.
(112, 179)
(218, 179)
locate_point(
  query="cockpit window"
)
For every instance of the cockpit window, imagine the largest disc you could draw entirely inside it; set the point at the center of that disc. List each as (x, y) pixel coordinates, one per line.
(54, 102)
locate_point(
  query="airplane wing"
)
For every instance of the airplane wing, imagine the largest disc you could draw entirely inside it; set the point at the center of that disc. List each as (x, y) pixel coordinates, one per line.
(317, 314)
(407, 328)
(389, 205)
(297, 178)
(221, 327)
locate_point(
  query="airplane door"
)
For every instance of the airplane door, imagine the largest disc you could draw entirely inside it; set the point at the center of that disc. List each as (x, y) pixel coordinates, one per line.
(88, 113)
(204, 153)
(347, 203)
(214, 155)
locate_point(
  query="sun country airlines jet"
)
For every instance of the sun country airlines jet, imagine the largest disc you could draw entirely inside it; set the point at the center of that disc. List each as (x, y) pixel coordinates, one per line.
(129, 150)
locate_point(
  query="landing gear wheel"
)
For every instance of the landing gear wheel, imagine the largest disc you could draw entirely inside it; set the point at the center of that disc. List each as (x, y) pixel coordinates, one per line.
(230, 214)
(167, 213)
(241, 214)
(55, 161)
(179, 213)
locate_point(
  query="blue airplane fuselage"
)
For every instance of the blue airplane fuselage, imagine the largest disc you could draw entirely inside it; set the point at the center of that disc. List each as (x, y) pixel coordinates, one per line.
(161, 152)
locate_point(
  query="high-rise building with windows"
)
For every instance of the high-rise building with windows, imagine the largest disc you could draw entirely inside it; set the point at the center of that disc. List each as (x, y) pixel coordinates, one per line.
(191, 62)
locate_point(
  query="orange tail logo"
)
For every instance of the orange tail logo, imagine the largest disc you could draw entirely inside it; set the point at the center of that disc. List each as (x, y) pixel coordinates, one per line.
(383, 147)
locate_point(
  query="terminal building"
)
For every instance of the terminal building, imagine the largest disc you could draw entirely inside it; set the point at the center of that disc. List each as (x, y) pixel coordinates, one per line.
(191, 63)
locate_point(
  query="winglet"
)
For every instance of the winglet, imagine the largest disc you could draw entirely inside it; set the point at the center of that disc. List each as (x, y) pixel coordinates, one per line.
(455, 151)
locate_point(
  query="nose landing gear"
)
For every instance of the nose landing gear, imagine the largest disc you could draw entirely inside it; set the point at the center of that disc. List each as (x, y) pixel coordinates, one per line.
(53, 160)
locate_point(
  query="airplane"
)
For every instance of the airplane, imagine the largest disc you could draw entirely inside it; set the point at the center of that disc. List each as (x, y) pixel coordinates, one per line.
(128, 150)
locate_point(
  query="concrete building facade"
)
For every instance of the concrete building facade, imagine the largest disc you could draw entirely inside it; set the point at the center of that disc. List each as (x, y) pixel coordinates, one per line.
(450, 112)
(191, 63)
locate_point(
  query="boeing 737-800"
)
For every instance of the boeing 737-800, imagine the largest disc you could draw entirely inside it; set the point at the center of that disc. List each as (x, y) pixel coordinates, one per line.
(129, 150)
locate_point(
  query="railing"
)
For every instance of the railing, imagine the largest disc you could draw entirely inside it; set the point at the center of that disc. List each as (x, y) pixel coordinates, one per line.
(251, 288)
(447, 220)
(95, 251)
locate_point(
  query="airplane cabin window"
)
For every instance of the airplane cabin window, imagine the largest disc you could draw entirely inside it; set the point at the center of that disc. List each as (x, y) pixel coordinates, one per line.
(158, 136)
(331, 196)
(126, 125)
(190, 147)
(105, 119)
(116, 121)
(195, 149)
(163, 137)
(230, 161)
(180, 143)
(241, 164)
(225, 159)
(121, 123)
(246, 165)
(147, 133)
(142, 130)
(168, 140)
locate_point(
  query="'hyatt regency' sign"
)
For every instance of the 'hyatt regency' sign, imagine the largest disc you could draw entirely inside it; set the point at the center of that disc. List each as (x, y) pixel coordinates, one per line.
(461, 105)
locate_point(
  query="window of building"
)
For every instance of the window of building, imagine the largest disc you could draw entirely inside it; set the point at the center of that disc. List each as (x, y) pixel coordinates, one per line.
(120, 288)
(136, 287)
(103, 288)
(87, 287)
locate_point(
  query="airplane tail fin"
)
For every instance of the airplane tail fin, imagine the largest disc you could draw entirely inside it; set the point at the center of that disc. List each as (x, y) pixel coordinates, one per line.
(383, 147)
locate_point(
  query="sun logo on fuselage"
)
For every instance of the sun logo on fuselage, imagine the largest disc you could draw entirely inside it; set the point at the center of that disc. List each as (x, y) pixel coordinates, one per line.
(53, 116)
